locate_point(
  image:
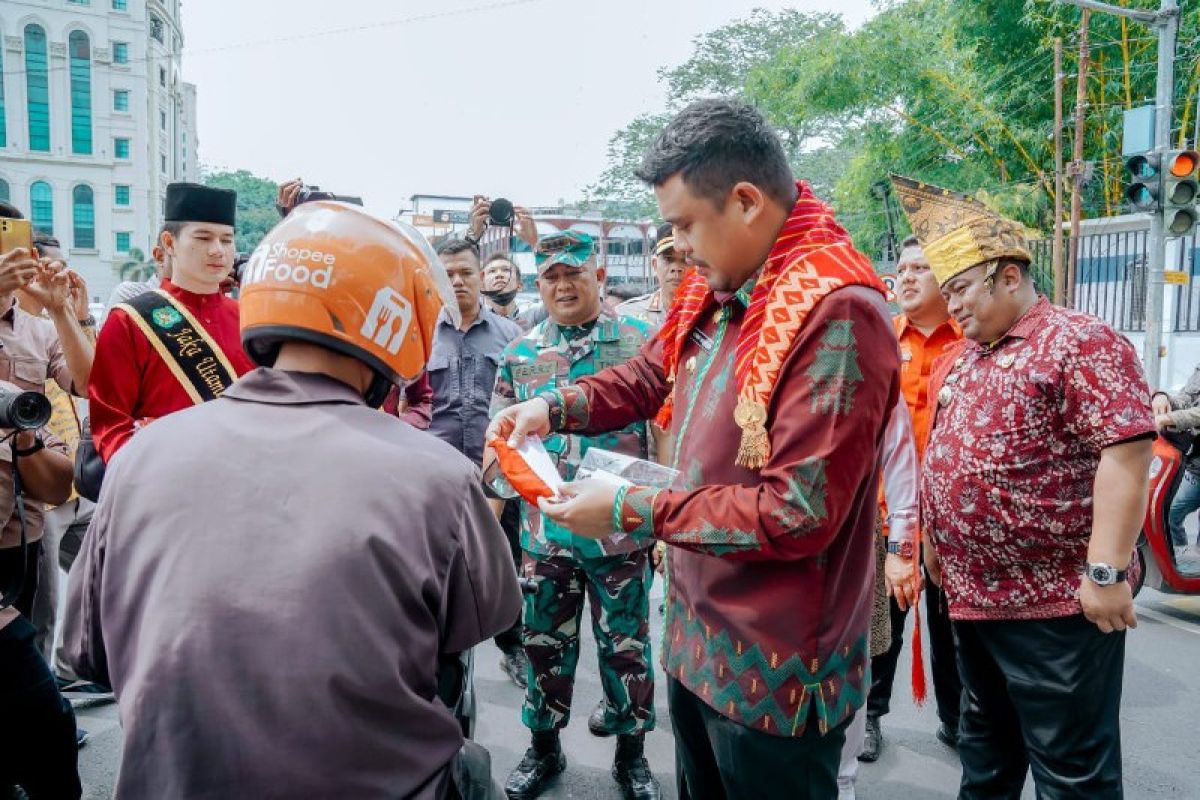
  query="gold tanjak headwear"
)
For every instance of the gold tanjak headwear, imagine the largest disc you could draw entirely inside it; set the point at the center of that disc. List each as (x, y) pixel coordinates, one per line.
(957, 232)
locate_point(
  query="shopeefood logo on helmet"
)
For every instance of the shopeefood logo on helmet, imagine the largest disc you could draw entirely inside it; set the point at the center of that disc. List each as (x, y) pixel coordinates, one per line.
(300, 265)
(388, 319)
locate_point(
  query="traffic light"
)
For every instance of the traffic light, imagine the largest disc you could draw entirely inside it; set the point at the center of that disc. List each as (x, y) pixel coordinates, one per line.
(1145, 181)
(1180, 192)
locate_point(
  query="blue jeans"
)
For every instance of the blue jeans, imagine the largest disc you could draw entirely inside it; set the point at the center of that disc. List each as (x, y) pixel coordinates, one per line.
(1186, 500)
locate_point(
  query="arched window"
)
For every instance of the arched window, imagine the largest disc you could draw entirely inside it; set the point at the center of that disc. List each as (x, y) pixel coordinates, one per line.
(41, 207)
(81, 93)
(3, 190)
(83, 214)
(37, 88)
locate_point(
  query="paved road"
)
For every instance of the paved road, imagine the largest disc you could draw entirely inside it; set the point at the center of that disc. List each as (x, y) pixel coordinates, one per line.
(1160, 716)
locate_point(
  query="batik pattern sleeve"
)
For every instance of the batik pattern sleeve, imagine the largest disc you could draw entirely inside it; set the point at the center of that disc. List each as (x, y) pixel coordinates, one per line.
(835, 392)
(1105, 396)
(613, 398)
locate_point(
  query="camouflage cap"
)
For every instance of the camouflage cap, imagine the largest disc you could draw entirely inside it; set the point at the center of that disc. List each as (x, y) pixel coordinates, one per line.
(572, 248)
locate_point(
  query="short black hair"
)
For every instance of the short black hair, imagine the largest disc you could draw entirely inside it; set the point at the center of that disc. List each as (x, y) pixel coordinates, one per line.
(910, 241)
(500, 257)
(42, 239)
(174, 228)
(715, 144)
(452, 247)
(9, 211)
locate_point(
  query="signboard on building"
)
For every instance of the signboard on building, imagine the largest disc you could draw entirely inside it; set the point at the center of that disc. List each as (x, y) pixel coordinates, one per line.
(447, 217)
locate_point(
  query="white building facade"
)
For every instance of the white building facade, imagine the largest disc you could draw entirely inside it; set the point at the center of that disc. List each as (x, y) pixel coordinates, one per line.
(95, 121)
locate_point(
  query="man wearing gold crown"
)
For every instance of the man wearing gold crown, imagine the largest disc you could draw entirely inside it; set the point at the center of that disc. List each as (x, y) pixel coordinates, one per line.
(775, 372)
(1034, 489)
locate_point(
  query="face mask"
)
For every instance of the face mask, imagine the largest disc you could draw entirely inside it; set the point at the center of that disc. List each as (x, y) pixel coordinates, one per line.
(502, 299)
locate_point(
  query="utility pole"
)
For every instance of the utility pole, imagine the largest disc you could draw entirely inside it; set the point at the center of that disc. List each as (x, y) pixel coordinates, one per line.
(1165, 21)
(1060, 282)
(1077, 159)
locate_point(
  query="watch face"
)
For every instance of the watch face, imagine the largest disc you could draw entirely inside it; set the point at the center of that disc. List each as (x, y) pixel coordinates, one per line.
(1102, 574)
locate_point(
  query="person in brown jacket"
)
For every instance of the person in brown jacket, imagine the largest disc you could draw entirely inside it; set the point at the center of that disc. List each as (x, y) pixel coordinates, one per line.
(272, 578)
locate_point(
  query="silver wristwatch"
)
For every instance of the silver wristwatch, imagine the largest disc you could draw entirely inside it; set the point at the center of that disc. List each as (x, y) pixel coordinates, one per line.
(1103, 574)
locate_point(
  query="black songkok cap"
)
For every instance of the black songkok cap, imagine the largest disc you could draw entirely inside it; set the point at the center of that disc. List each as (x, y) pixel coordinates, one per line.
(191, 202)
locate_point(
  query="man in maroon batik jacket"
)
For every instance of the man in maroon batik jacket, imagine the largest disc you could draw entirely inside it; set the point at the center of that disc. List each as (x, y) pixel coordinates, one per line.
(775, 373)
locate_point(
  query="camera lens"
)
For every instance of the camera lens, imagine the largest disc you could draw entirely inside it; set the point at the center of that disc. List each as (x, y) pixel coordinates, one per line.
(501, 212)
(24, 411)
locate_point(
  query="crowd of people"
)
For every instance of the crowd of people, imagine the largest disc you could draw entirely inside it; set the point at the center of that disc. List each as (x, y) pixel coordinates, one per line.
(292, 548)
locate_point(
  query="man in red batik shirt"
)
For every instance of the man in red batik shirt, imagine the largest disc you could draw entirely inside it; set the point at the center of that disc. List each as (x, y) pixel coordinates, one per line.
(1034, 490)
(132, 383)
(775, 373)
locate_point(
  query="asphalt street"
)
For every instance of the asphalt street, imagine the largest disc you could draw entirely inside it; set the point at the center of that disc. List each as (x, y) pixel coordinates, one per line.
(1160, 714)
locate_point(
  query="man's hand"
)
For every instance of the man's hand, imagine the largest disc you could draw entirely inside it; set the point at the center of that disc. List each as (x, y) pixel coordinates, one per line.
(289, 192)
(1109, 607)
(658, 557)
(933, 565)
(526, 227)
(52, 286)
(79, 296)
(480, 208)
(1163, 421)
(17, 268)
(585, 510)
(1160, 404)
(516, 422)
(901, 578)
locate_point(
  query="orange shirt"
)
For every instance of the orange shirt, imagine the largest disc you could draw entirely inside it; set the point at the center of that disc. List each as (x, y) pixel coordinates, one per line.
(917, 354)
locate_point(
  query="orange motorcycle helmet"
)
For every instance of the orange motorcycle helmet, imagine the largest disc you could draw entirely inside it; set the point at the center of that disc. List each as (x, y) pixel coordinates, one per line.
(333, 275)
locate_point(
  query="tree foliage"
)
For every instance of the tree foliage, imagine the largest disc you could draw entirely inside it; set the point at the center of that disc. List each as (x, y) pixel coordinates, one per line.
(954, 92)
(256, 213)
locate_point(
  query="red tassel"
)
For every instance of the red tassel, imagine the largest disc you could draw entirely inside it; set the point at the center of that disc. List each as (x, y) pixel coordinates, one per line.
(919, 690)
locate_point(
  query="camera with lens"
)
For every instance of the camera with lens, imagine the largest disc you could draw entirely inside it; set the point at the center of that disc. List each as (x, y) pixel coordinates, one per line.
(501, 212)
(24, 411)
(307, 194)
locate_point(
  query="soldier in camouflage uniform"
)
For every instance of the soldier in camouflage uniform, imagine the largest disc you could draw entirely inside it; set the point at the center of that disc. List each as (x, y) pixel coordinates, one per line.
(580, 338)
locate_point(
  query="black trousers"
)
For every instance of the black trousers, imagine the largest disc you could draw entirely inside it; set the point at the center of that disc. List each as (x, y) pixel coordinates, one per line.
(719, 759)
(510, 522)
(947, 688)
(39, 752)
(1042, 695)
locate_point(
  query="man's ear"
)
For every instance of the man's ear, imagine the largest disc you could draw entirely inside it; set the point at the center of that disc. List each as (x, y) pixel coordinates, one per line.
(1012, 276)
(749, 199)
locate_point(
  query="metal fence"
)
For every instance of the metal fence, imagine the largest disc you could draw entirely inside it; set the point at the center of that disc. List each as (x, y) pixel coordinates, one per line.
(1110, 277)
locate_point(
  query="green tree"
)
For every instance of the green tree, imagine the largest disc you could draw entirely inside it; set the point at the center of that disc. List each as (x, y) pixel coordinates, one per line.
(256, 213)
(136, 267)
(720, 64)
(955, 92)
